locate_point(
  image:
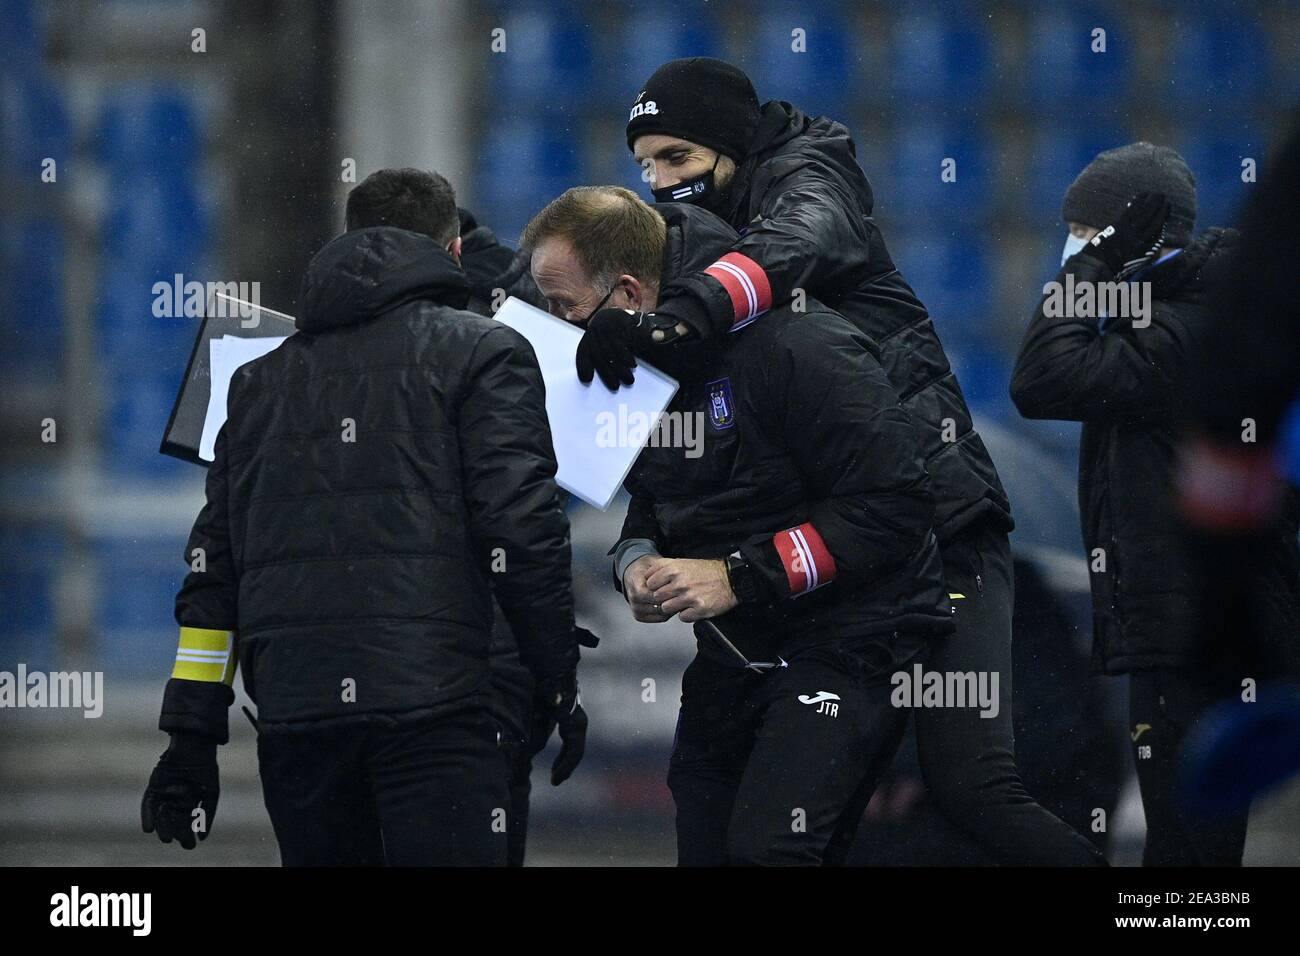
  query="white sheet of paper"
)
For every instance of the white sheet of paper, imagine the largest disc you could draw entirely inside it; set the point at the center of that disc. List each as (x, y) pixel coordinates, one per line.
(597, 433)
(228, 352)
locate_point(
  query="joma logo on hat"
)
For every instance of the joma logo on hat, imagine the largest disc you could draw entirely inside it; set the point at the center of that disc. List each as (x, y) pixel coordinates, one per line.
(639, 108)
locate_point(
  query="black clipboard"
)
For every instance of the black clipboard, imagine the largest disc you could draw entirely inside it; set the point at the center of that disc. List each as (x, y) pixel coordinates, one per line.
(232, 316)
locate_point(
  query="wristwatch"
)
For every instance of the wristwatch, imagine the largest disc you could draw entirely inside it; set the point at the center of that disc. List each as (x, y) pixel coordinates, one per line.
(741, 578)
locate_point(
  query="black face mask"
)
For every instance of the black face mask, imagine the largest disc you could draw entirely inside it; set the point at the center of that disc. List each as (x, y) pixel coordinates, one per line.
(703, 190)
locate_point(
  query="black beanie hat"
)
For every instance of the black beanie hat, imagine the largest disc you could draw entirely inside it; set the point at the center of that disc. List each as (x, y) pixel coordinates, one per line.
(1100, 193)
(699, 99)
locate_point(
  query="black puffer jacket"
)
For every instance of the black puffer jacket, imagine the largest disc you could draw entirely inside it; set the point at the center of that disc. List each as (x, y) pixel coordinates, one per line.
(380, 476)
(1124, 384)
(801, 431)
(803, 208)
(495, 272)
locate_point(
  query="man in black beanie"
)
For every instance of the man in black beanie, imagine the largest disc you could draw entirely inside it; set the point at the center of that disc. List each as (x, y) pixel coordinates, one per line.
(694, 113)
(791, 186)
(1120, 372)
(1099, 194)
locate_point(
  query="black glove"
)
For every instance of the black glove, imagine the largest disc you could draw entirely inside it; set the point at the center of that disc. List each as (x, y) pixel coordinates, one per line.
(557, 703)
(186, 777)
(613, 339)
(1135, 239)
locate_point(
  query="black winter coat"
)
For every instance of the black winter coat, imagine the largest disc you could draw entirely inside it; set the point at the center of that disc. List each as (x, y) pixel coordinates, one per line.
(380, 476)
(801, 432)
(1124, 385)
(495, 272)
(803, 206)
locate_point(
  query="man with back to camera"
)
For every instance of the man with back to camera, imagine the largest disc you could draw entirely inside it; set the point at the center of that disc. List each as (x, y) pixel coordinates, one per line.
(799, 528)
(790, 184)
(381, 475)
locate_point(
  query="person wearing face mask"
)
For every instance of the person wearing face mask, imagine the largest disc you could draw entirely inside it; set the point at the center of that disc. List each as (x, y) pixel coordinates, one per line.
(796, 536)
(1130, 214)
(790, 185)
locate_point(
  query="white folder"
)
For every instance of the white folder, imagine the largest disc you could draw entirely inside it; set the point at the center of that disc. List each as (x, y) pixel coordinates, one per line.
(228, 353)
(597, 433)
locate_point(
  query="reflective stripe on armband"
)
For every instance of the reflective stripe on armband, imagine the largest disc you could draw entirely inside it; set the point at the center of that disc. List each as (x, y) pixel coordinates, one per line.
(206, 655)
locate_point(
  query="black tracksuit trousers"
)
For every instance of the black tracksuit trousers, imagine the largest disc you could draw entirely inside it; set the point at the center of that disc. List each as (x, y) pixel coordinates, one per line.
(1164, 706)
(764, 765)
(429, 793)
(968, 760)
(519, 772)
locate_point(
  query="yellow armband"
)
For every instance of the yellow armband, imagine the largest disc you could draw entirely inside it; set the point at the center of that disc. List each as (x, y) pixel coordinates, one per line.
(206, 655)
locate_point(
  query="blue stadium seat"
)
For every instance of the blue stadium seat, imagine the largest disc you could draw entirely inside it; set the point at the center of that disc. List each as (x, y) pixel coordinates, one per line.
(150, 127)
(646, 39)
(20, 40)
(1217, 62)
(1062, 74)
(156, 225)
(138, 579)
(820, 81)
(984, 371)
(29, 567)
(35, 123)
(139, 397)
(32, 297)
(952, 275)
(548, 55)
(938, 52)
(915, 186)
(1059, 154)
(525, 162)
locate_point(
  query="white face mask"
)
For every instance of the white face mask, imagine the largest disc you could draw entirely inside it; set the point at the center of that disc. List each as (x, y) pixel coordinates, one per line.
(1072, 245)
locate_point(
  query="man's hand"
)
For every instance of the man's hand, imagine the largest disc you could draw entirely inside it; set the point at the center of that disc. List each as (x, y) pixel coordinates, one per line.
(185, 781)
(558, 704)
(695, 589)
(1134, 240)
(639, 596)
(613, 337)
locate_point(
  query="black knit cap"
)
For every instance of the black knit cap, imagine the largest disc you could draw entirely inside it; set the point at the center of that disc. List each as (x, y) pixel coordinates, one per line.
(1099, 194)
(701, 100)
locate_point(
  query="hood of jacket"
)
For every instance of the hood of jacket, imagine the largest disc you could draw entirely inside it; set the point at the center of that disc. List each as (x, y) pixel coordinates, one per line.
(366, 272)
(1190, 272)
(784, 131)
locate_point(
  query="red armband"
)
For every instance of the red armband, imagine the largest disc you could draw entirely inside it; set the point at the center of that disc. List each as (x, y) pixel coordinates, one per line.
(808, 563)
(746, 283)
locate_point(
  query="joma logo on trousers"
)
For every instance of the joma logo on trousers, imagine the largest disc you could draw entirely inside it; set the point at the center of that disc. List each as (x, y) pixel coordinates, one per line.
(825, 699)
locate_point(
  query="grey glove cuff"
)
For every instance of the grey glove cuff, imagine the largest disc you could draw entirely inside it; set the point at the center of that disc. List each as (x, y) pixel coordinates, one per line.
(629, 550)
